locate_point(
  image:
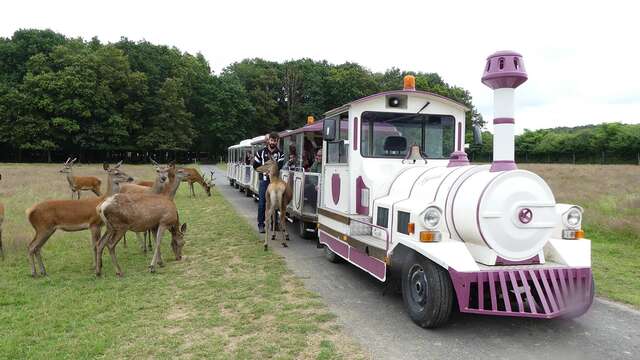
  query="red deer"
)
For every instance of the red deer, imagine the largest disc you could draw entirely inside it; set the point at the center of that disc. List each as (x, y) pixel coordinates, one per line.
(80, 183)
(193, 176)
(139, 212)
(278, 196)
(69, 215)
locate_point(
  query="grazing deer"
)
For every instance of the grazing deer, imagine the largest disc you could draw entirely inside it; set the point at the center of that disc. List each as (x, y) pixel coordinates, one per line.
(69, 215)
(80, 183)
(1, 221)
(193, 176)
(139, 212)
(278, 196)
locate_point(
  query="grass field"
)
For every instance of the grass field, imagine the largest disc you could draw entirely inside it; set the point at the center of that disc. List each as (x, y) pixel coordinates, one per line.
(610, 196)
(227, 298)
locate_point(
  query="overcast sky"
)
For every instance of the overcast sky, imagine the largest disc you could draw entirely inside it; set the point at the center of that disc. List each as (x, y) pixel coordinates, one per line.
(583, 58)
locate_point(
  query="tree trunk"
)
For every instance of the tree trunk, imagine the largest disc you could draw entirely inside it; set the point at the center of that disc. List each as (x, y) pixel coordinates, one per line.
(574, 158)
(49, 156)
(603, 157)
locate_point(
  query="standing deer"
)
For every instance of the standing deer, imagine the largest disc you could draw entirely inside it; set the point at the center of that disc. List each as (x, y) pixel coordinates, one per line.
(193, 176)
(1, 221)
(139, 212)
(80, 183)
(69, 215)
(278, 196)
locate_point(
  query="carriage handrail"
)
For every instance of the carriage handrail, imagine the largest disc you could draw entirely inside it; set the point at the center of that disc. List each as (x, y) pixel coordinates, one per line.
(386, 232)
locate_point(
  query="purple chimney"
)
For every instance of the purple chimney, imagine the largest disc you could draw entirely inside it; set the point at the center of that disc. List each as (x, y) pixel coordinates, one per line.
(503, 72)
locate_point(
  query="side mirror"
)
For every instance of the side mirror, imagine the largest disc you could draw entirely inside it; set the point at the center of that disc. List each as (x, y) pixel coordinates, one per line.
(477, 135)
(329, 129)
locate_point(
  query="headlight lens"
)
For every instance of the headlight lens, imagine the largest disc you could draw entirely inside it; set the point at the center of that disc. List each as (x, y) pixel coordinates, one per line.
(432, 217)
(574, 216)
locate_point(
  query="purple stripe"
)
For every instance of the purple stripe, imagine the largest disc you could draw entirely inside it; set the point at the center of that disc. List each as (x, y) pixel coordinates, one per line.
(533, 260)
(498, 121)
(376, 267)
(335, 245)
(460, 134)
(503, 165)
(355, 133)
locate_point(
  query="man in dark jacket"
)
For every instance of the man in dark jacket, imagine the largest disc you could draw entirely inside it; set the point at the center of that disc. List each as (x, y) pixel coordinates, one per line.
(270, 151)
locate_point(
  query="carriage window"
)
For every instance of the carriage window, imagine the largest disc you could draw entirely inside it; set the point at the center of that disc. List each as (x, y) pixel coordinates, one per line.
(391, 134)
(337, 151)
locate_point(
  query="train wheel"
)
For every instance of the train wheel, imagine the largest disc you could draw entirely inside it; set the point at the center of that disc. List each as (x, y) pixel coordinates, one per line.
(331, 256)
(302, 228)
(427, 291)
(247, 192)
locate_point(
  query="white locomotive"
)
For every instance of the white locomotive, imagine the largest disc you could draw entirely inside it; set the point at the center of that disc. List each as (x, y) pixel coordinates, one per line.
(399, 199)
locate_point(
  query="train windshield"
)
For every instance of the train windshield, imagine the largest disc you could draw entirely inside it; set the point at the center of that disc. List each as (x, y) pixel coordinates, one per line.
(389, 135)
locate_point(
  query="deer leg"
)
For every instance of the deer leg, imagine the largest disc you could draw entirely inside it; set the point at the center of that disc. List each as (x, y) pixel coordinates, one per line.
(156, 253)
(148, 235)
(95, 238)
(97, 192)
(283, 226)
(103, 241)
(34, 248)
(1, 251)
(142, 241)
(112, 250)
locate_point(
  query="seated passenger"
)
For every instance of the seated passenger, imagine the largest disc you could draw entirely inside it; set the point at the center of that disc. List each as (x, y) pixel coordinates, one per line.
(317, 165)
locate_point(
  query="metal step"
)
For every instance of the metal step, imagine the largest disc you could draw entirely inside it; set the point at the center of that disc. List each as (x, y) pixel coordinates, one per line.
(371, 241)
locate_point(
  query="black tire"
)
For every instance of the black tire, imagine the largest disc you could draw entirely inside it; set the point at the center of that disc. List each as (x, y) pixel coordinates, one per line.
(302, 229)
(331, 256)
(247, 192)
(426, 291)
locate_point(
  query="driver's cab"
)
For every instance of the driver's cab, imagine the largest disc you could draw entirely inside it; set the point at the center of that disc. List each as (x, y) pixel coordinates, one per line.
(370, 141)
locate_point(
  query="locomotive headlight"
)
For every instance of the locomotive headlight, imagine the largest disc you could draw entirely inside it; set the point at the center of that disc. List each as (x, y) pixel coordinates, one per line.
(431, 217)
(573, 218)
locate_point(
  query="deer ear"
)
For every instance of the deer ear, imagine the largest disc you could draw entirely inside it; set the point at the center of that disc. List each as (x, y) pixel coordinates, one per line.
(183, 228)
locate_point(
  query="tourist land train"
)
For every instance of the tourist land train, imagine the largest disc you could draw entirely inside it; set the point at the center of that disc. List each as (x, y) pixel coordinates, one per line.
(398, 198)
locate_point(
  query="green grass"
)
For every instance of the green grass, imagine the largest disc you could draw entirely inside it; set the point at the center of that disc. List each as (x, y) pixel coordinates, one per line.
(227, 298)
(610, 197)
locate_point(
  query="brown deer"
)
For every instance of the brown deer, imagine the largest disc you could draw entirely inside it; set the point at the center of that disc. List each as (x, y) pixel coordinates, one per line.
(139, 212)
(278, 196)
(167, 181)
(69, 215)
(1, 221)
(80, 183)
(146, 183)
(193, 176)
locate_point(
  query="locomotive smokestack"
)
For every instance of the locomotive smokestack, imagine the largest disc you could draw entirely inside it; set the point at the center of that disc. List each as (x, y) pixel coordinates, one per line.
(504, 72)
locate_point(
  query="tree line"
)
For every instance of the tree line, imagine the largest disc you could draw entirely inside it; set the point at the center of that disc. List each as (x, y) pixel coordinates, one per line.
(604, 143)
(66, 95)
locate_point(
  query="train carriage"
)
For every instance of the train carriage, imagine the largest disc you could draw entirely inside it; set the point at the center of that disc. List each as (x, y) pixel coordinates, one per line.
(299, 147)
(399, 199)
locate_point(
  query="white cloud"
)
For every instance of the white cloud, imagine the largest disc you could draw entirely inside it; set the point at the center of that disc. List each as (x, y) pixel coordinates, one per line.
(581, 57)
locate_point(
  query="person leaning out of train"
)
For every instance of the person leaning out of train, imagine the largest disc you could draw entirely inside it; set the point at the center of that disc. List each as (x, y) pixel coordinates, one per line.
(317, 164)
(270, 151)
